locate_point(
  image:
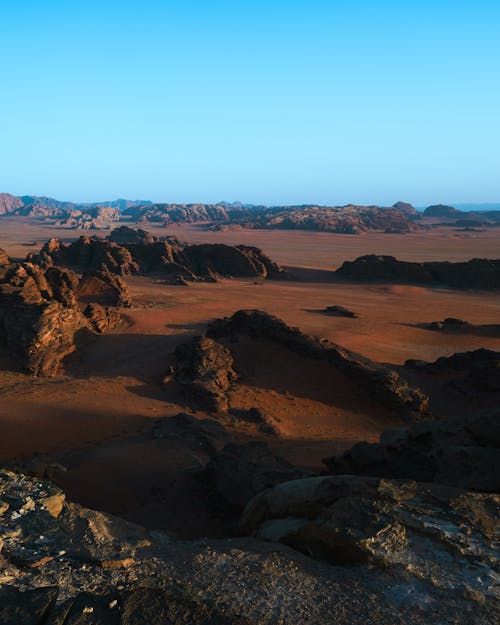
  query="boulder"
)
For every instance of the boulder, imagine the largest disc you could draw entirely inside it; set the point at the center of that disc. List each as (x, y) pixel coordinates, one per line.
(204, 371)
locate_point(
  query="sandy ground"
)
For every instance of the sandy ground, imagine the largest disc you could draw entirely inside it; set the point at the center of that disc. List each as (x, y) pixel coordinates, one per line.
(97, 417)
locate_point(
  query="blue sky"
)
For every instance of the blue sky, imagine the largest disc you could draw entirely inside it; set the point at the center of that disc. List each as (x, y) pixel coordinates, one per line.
(266, 102)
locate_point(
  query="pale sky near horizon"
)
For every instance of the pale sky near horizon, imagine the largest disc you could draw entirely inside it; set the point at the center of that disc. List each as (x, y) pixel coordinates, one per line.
(277, 102)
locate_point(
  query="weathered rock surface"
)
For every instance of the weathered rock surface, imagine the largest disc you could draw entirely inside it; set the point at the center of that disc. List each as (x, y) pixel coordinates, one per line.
(204, 371)
(38, 328)
(239, 472)
(440, 535)
(104, 571)
(478, 273)
(40, 318)
(386, 385)
(104, 288)
(102, 318)
(461, 452)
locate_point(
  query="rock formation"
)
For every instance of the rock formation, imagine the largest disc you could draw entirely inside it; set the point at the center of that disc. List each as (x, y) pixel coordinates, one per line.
(40, 318)
(478, 273)
(94, 218)
(105, 288)
(102, 318)
(406, 208)
(384, 384)
(39, 329)
(348, 219)
(142, 254)
(204, 371)
(441, 210)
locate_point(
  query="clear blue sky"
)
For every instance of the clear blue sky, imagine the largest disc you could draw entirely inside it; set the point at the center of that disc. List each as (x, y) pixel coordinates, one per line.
(264, 101)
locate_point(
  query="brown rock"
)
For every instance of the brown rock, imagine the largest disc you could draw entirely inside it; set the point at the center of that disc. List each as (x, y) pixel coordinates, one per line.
(204, 371)
(102, 318)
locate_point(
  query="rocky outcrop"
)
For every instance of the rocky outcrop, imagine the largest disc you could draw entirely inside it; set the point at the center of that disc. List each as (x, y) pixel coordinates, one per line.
(384, 384)
(203, 369)
(63, 284)
(94, 218)
(39, 318)
(462, 452)
(239, 472)
(139, 253)
(450, 324)
(104, 288)
(86, 254)
(348, 219)
(125, 234)
(478, 273)
(406, 208)
(436, 534)
(441, 210)
(102, 318)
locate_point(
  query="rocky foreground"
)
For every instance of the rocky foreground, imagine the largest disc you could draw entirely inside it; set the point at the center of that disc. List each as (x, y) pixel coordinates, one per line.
(377, 551)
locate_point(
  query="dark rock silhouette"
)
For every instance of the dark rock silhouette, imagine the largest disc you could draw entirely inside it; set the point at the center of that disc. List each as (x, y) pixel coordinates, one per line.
(441, 210)
(478, 273)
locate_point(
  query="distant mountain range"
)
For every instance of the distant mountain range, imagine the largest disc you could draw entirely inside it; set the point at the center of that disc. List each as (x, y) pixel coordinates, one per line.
(349, 219)
(37, 205)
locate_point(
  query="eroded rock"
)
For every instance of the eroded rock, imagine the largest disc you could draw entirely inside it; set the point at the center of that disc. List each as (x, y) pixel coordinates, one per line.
(204, 371)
